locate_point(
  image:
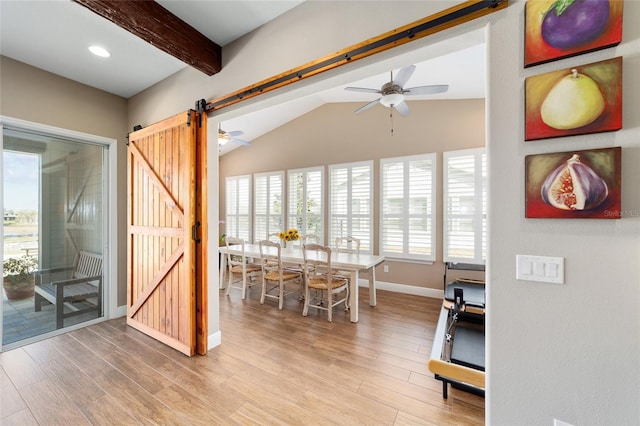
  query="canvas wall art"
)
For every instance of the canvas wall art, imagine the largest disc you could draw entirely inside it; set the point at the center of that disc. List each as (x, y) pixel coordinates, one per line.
(574, 101)
(557, 29)
(574, 184)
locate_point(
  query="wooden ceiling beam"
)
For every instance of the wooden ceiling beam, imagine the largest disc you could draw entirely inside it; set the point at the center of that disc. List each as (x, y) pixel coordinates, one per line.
(159, 27)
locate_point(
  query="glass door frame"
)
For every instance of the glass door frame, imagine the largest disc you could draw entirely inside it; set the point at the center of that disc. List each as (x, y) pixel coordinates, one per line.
(110, 224)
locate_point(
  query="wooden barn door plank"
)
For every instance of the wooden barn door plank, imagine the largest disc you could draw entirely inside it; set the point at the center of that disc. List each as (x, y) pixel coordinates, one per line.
(161, 298)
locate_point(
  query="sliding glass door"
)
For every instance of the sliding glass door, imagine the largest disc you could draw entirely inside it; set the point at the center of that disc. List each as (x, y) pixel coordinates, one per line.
(54, 199)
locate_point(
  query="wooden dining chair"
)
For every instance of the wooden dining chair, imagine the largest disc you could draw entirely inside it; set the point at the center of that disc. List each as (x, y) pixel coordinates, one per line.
(348, 245)
(320, 278)
(309, 239)
(274, 237)
(239, 265)
(274, 275)
(351, 245)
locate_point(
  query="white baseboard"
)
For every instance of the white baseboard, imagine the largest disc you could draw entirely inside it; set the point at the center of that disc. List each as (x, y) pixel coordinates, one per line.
(118, 312)
(214, 340)
(403, 288)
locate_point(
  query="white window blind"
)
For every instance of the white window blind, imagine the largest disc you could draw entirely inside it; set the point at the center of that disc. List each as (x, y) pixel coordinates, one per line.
(238, 207)
(305, 201)
(465, 206)
(268, 214)
(351, 203)
(407, 200)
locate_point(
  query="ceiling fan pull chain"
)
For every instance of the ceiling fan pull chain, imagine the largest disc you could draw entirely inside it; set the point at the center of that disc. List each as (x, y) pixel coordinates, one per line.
(391, 119)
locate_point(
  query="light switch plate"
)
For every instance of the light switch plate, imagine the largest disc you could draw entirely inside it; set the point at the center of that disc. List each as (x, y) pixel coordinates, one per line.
(540, 268)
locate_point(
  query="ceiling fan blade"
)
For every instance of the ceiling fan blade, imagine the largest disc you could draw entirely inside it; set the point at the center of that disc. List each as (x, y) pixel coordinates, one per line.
(402, 108)
(241, 142)
(362, 89)
(367, 106)
(404, 75)
(235, 133)
(427, 90)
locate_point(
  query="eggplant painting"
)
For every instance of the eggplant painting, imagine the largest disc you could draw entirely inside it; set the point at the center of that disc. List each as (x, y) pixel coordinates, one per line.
(574, 101)
(576, 184)
(562, 28)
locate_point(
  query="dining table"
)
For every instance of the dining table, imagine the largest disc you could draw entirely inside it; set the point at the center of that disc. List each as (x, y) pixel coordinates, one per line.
(347, 262)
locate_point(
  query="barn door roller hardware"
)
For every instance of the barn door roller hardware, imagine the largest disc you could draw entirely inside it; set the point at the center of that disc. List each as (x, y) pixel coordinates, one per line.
(432, 24)
(135, 129)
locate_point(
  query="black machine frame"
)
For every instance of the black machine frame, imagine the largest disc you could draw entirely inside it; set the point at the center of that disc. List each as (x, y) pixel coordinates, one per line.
(463, 307)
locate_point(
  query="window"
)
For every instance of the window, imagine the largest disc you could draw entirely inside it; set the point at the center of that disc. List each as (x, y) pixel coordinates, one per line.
(238, 207)
(351, 202)
(268, 216)
(57, 187)
(305, 201)
(407, 214)
(465, 206)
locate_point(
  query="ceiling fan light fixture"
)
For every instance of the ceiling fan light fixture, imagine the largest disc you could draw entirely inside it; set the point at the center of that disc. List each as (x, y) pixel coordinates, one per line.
(392, 99)
(222, 139)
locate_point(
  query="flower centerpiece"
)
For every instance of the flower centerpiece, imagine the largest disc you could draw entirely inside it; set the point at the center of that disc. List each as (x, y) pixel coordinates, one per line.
(290, 235)
(17, 279)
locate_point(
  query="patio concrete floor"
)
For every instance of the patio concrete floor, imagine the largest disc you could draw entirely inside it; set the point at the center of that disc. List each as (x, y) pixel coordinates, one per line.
(21, 321)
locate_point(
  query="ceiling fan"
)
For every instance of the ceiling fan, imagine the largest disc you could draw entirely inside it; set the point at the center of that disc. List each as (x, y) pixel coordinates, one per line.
(225, 137)
(393, 92)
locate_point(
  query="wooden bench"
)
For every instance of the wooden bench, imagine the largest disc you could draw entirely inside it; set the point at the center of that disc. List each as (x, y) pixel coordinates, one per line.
(84, 285)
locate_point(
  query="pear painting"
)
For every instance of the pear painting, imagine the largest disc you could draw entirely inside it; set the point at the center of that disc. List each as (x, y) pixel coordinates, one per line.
(575, 101)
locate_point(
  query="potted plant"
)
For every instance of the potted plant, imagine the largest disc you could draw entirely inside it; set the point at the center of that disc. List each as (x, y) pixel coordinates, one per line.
(17, 279)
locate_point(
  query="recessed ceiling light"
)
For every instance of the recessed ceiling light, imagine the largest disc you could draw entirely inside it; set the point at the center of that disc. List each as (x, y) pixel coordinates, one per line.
(99, 51)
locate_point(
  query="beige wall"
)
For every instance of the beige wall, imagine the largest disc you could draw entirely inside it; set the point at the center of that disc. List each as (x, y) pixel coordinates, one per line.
(31, 94)
(333, 134)
(28, 93)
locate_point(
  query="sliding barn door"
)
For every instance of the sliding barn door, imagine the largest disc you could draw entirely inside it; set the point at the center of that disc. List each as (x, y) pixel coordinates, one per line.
(161, 224)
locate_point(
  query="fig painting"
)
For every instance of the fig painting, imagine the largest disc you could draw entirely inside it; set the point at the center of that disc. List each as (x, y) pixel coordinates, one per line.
(575, 184)
(562, 28)
(574, 101)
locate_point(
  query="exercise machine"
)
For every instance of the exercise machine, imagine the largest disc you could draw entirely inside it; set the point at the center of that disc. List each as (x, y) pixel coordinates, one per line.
(458, 356)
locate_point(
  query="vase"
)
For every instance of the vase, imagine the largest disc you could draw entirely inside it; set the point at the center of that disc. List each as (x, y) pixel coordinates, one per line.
(18, 287)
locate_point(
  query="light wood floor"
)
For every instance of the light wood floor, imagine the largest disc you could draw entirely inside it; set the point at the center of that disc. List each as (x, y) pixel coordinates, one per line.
(273, 367)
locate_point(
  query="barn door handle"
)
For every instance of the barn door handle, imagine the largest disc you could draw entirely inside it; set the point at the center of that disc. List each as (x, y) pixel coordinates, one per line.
(194, 232)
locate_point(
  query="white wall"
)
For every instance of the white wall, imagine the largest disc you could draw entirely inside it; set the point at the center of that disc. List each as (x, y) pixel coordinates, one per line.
(571, 351)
